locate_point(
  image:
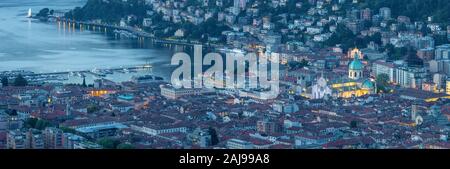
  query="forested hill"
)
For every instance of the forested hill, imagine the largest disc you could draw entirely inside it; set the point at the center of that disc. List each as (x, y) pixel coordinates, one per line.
(415, 9)
(108, 11)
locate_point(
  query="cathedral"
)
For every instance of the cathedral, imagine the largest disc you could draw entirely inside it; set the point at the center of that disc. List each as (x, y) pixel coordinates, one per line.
(354, 85)
(320, 89)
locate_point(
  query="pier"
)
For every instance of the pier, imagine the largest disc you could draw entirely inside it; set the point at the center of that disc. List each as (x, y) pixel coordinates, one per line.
(133, 68)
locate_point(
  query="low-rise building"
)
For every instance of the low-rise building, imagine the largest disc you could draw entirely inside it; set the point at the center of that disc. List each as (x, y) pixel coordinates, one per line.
(239, 144)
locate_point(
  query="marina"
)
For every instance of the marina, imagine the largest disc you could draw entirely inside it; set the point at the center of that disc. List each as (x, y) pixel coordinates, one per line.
(76, 77)
(48, 52)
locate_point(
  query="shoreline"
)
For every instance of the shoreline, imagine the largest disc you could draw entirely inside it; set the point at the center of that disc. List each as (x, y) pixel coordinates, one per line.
(63, 76)
(138, 33)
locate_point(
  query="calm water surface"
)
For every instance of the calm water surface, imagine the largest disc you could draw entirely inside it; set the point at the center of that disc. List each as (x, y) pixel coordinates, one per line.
(27, 44)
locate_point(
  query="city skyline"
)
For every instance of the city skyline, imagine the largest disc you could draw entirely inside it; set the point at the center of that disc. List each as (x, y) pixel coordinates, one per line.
(346, 74)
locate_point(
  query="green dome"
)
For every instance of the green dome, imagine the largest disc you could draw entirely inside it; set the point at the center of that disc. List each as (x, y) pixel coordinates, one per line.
(356, 64)
(367, 84)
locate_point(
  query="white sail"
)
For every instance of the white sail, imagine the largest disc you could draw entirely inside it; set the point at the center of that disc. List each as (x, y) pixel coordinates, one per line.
(29, 13)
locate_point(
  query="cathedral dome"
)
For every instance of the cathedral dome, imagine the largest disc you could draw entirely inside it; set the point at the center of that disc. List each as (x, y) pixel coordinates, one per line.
(367, 84)
(356, 64)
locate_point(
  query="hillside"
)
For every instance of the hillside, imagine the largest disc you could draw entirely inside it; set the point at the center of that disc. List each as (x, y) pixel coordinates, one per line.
(108, 11)
(415, 9)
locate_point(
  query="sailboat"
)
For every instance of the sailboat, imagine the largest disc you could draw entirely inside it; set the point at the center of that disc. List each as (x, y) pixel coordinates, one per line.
(29, 13)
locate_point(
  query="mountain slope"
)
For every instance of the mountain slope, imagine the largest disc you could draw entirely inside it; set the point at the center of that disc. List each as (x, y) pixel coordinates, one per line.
(415, 9)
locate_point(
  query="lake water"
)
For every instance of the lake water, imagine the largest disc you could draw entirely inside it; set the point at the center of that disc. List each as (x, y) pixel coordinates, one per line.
(27, 44)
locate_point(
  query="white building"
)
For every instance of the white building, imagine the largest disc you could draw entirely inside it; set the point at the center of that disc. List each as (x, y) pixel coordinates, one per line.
(179, 33)
(123, 23)
(171, 92)
(410, 77)
(442, 52)
(285, 107)
(385, 13)
(239, 144)
(156, 130)
(147, 22)
(382, 67)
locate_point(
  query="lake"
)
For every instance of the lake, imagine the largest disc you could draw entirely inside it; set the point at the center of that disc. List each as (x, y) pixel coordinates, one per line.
(28, 44)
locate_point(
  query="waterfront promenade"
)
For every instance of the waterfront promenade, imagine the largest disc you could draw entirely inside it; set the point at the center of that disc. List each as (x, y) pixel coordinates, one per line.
(135, 31)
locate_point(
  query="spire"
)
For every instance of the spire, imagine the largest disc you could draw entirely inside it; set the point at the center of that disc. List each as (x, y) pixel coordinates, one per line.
(84, 81)
(356, 56)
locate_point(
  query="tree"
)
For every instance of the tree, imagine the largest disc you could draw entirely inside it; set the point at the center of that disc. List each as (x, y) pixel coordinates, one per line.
(374, 38)
(425, 30)
(125, 146)
(42, 124)
(402, 27)
(415, 9)
(353, 124)
(84, 82)
(396, 53)
(382, 82)
(12, 112)
(37, 123)
(109, 11)
(68, 130)
(5, 81)
(298, 65)
(304, 63)
(367, 24)
(214, 137)
(345, 37)
(108, 143)
(43, 13)
(31, 122)
(441, 39)
(20, 81)
(92, 109)
(412, 58)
